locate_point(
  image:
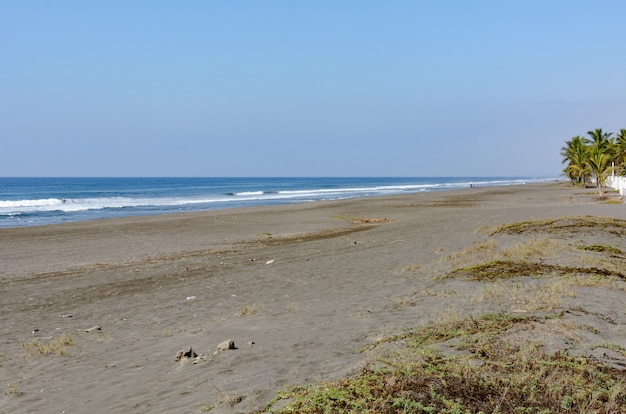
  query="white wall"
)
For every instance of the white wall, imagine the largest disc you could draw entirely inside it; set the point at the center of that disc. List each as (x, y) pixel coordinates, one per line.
(617, 183)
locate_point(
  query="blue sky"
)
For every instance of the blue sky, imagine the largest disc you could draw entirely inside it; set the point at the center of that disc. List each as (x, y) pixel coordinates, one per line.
(305, 88)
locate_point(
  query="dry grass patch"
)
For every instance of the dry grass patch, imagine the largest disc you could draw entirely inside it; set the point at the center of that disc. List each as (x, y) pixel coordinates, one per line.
(594, 281)
(610, 264)
(610, 250)
(499, 269)
(542, 297)
(534, 247)
(563, 225)
(408, 300)
(12, 391)
(525, 297)
(506, 269)
(250, 310)
(490, 292)
(409, 268)
(404, 301)
(55, 346)
(484, 250)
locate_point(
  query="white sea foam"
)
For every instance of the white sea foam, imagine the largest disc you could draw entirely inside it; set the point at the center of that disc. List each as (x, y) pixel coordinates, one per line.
(16, 207)
(30, 203)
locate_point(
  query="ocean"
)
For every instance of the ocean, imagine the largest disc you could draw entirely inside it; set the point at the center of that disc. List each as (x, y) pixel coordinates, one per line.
(42, 201)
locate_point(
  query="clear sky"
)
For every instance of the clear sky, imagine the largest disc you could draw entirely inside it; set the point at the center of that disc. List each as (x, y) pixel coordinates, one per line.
(305, 88)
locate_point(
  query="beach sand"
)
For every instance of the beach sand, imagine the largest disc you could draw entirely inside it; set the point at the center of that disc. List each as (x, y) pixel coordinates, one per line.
(300, 289)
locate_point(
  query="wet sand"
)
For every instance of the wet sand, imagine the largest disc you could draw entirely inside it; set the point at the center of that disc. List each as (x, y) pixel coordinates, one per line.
(300, 289)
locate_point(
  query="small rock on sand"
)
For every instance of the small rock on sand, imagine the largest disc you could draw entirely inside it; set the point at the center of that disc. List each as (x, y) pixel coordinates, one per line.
(225, 345)
(186, 353)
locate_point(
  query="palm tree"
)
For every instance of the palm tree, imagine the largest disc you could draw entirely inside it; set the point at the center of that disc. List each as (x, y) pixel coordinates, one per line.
(600, 139)
(601, 154)
(620, 151)
(575, 153)
(600, 164)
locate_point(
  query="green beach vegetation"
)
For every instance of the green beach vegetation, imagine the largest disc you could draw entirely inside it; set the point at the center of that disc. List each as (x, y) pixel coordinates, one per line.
(486, 374)
(595, 156)
(543, 352)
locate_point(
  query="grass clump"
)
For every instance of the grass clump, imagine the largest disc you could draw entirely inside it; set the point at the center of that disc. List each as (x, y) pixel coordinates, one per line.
(12, 391)
(410, 267)
(534, 247)
(500, 269)
(610, 250)
(56, 346)
(249, 310)
(485, 374)
(478, 248)
(565, 225)
(505, 269)
(454, 327)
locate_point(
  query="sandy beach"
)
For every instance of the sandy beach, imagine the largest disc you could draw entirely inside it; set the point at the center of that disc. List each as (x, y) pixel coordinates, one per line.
(300, 290)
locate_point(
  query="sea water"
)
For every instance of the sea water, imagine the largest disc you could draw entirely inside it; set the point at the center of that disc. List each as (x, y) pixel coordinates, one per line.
(40, 201)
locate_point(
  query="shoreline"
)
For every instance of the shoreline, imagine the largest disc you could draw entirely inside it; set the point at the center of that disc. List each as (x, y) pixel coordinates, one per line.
(79, 199)
(299, 288)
